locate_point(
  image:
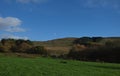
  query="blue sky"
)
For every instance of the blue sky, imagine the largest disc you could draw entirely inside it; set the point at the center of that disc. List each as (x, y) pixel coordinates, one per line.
(51, 19)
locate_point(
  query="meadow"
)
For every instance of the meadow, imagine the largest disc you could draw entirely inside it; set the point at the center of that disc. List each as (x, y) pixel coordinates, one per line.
(39, 66)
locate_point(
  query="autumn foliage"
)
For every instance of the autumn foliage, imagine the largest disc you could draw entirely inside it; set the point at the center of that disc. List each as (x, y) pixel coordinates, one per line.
(20, 46)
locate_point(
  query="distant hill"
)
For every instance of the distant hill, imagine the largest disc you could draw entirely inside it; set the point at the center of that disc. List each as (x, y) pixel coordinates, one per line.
(62, 46)
(68, 41)
(57, 46)
(61, 42)
(113, 37)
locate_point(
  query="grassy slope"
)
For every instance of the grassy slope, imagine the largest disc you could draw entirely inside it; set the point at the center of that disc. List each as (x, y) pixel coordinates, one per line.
(63, 45)
(67, 42)
(63, 42)
(14, 66)
(60, 46)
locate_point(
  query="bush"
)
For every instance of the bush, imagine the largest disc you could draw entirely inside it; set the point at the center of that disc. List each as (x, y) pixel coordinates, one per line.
(21, 48)
(37, 50)
(2, 48)
(12, 45)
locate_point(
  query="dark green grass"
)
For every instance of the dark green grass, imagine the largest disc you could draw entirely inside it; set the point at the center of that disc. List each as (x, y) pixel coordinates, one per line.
(14, 66)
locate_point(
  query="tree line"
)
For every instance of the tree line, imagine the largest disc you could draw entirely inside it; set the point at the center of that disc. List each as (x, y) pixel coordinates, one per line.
(96, 49)
(20, 46)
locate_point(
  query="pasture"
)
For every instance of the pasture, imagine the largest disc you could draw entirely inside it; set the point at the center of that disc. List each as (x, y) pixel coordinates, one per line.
(18, 66)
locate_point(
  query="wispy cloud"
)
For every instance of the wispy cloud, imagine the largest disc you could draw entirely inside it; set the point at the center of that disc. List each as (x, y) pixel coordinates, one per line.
(6, 36)
(11, 24)
(9, 21)
(31, 1)
(114, 4)
(15, 29)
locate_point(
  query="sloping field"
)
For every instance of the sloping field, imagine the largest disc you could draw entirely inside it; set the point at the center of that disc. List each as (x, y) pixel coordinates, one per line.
(57, 46)
(63, 42)
(58, 50)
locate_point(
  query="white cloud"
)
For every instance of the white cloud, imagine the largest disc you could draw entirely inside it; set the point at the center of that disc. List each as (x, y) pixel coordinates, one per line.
(31, 1)
(15, 29)
(6, 36)
(11, 24)
(9, 21)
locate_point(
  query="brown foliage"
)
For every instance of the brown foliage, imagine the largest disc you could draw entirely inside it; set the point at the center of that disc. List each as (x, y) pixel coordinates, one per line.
(23, 47)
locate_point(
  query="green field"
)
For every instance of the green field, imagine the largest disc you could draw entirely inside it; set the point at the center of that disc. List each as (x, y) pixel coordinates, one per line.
(16, 66)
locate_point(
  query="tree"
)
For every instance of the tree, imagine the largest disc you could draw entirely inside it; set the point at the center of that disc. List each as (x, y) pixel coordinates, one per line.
(83, 41)
(97, 39)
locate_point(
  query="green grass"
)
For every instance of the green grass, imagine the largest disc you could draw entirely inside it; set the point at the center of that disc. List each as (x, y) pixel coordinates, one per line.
(14, 66)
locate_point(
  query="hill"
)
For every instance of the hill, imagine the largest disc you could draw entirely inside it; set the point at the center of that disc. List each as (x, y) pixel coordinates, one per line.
(57, 46)
(68, 41)
(61, 42)
(62, 46)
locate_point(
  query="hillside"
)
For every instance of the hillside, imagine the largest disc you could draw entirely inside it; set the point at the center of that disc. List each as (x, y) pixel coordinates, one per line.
(64, 45)
(68, 41)
(57, 46)
(61, 42)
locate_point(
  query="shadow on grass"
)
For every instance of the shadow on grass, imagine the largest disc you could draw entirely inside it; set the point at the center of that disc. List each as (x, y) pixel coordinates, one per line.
(63, 62)
(107, 67)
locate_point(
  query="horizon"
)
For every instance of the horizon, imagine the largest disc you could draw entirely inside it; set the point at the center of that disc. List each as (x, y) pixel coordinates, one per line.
(61, 38)
(43, 20)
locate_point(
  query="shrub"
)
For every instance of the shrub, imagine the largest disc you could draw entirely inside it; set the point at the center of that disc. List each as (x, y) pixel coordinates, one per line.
(37, 50)
(21, 48)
